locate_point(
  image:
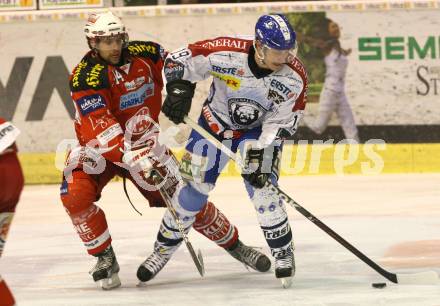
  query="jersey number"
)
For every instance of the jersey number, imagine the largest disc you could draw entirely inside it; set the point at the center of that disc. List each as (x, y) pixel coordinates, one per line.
(179, 54)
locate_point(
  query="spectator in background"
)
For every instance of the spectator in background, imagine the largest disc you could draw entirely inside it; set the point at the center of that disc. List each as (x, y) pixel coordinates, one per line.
(333, 98)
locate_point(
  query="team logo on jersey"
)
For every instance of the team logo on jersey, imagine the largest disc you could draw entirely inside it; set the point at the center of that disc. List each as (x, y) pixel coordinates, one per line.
(140, 122)
(64, 188)
(118, 76)
(193, 167)
(90, 103)
(244, 112)
(134, 83)
(226, 42)
(275, 97)
(5, 130)
(138, 48)
(125, 68)
(136, 97)
(76, 74)
(231, 82)
(173, 70)
(93, 76)
(225, 70)
(282, 88)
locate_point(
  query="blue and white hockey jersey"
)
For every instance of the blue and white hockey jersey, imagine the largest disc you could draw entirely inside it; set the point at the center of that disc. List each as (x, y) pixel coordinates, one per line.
(239, 100)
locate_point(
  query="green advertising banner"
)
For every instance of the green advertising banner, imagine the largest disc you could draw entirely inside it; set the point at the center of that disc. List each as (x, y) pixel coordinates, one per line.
(375, 73)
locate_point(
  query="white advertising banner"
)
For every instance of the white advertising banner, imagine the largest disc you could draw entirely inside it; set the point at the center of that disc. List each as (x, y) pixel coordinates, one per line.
(65, 4)
(13, 5)
(391, 53)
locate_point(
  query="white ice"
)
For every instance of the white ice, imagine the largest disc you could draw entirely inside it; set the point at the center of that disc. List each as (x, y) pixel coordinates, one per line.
(45, 263)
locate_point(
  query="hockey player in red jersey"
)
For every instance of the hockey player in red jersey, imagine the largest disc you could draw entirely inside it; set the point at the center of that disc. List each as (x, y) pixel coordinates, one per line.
(116, 90)
(11, 182)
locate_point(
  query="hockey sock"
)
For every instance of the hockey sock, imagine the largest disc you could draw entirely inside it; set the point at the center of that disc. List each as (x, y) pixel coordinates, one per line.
(92, 228)
(5, 224)
(272, 216)
(214, 225)
(278, 237)
(6, 297)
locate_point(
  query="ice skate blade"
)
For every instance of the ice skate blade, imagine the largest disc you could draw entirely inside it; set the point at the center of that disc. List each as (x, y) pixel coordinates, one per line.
(109, 283)
(286, 282)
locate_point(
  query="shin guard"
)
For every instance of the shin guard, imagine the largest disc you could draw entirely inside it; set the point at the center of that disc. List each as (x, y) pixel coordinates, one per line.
(92, 228)
(214, 225)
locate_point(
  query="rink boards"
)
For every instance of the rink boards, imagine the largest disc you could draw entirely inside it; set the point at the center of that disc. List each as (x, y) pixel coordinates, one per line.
(392, 80)
(297, 160)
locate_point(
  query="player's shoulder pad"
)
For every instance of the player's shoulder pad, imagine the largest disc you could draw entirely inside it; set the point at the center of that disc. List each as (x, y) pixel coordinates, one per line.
(89, 74)
(223, 43)
(297, 66)
(147, 49)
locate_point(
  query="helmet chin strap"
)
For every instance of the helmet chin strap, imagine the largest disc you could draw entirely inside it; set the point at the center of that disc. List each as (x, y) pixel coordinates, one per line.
(259, 56)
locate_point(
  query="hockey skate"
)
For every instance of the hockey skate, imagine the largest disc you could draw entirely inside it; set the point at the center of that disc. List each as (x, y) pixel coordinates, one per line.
(105, 272)
(285, 269)
(151, 266)
(157, 260)
(249, 257)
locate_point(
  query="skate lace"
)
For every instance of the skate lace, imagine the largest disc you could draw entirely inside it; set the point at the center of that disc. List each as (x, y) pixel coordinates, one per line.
(246, 255)
(155, 262)
(105, 262)
(284, 262)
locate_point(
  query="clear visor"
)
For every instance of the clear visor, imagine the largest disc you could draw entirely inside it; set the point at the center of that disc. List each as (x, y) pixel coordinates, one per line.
(111, 42)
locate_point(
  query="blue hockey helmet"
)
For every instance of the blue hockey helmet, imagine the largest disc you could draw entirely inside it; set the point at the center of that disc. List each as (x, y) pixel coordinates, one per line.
(275, 32)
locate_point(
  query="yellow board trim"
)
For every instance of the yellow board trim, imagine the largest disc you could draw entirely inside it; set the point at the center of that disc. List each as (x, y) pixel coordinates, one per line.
(39, 168)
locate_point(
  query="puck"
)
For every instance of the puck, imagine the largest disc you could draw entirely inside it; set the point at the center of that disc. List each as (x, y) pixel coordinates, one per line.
(379, 285)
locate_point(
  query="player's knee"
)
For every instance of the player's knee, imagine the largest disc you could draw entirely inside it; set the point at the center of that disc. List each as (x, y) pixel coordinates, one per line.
(77, 196)
(193, 197)
(206, 215)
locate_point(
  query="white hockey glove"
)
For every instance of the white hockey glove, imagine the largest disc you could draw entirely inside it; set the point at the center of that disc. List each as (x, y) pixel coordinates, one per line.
(142, 163)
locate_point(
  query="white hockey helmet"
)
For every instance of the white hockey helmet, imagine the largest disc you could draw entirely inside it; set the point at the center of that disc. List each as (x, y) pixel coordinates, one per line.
(104, 24)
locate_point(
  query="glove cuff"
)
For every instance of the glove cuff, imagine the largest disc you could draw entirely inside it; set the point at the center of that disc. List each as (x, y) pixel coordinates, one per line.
(181, 88)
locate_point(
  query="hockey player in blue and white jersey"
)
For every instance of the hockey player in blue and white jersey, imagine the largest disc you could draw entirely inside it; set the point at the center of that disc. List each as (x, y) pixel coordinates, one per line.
(256, 100)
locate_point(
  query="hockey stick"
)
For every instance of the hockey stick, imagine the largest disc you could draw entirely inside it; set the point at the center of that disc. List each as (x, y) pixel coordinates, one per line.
(198, 259)
(428, 277)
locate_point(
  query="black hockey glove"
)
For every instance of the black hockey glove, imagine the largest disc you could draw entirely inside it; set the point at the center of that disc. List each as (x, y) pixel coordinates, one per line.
(258, 166)
(178, 101)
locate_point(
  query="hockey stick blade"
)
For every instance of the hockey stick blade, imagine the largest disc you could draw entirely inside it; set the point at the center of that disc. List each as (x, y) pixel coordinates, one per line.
(410, 278)
(421, 278)
(198, 259)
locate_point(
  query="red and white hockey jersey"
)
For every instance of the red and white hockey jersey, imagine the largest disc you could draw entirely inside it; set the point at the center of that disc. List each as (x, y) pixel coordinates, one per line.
(111, 100)
(238, 100)
(8, 135)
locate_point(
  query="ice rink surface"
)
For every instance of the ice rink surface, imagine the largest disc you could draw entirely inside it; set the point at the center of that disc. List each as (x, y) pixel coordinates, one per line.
(393, 219)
